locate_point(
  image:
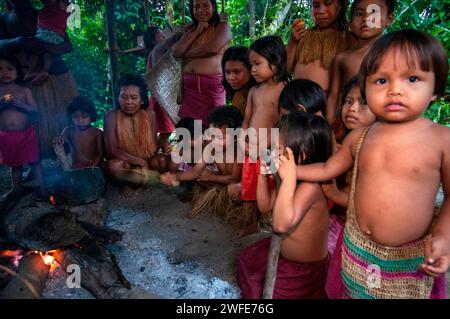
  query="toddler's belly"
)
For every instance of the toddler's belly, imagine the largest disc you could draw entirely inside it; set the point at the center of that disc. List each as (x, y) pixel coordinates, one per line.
(12, 120)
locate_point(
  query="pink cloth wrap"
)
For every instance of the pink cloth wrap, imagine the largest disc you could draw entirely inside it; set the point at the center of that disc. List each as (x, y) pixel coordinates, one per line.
(200, 95)
(19, 148)
(294, 280)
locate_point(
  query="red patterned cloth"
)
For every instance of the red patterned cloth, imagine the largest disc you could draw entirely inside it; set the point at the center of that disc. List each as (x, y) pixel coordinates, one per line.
(53, 18)
(294, 280)
(19, 148)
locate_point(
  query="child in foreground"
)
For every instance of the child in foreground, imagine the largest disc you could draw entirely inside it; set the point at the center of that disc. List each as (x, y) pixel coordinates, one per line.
(399, 163)
(300, 213)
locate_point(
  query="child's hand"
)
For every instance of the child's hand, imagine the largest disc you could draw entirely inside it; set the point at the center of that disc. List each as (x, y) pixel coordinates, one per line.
(264, 169)
(297, 31)
(234, 191)
(168, 179)
(330, 189)
(59, 141)
(437, 256)
(286, 166)
(201, 26)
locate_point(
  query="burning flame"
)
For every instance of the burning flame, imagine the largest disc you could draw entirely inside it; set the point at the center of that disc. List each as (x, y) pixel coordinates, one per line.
(48, 259)
(16, 256)
(52, 200)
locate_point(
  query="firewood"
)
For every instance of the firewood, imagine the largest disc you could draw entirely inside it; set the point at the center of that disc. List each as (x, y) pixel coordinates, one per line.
(29, 282)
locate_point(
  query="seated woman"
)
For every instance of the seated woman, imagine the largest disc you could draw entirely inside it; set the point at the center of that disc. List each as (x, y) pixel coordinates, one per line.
(202, 48)
(130, 135)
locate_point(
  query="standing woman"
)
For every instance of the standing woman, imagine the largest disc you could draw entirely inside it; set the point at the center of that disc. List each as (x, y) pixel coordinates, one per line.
(202, 48)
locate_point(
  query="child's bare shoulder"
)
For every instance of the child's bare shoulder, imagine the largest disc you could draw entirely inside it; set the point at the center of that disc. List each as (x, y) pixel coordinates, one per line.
(351, 141)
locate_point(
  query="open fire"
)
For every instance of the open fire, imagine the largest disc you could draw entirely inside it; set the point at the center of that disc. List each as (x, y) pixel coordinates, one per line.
(17, 255)
(49, 259)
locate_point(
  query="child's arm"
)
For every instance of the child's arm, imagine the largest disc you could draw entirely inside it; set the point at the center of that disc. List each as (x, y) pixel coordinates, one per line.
(335, 87)
(437, 248)
(265, 197)
(297, 32)
(248, 110)
(180, 48)
(28, 105)
(100, 149)
(222, 36)
(292, 202)
(332, 192)
(234, 177)
(339, 163)
(173, 179)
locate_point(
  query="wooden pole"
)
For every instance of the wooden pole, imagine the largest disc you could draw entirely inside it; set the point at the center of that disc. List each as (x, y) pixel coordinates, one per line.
(272, 258)
(272, 264)
(223, 6)
(112, 46)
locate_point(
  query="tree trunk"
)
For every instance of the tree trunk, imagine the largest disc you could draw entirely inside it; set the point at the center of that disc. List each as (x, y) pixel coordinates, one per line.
(29, 282)
(279, 18)
(252, 21)
(148, 19)
(169, 12)
(114, 72)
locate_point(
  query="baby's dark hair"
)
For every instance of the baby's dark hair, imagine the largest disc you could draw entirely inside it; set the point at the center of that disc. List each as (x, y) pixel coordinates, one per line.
(304, 92)
(272, 49)
(84, 105)
(235, 54)
(390, 5)
(150, 39)
(215, 19)
(16, 64)
(227, 116)
(306, 135)
(414, 46)
(133, 80)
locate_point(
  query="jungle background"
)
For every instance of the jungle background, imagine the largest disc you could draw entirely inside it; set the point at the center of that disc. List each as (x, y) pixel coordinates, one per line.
(249, 19)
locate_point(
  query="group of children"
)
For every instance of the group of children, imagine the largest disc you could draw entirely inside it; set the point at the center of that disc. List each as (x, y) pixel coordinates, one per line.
(377, 171)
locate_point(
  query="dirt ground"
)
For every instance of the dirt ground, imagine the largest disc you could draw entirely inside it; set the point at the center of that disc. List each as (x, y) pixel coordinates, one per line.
(162, 251)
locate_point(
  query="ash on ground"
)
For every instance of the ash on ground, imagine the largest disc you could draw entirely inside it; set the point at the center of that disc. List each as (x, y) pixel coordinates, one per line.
(164, 252)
